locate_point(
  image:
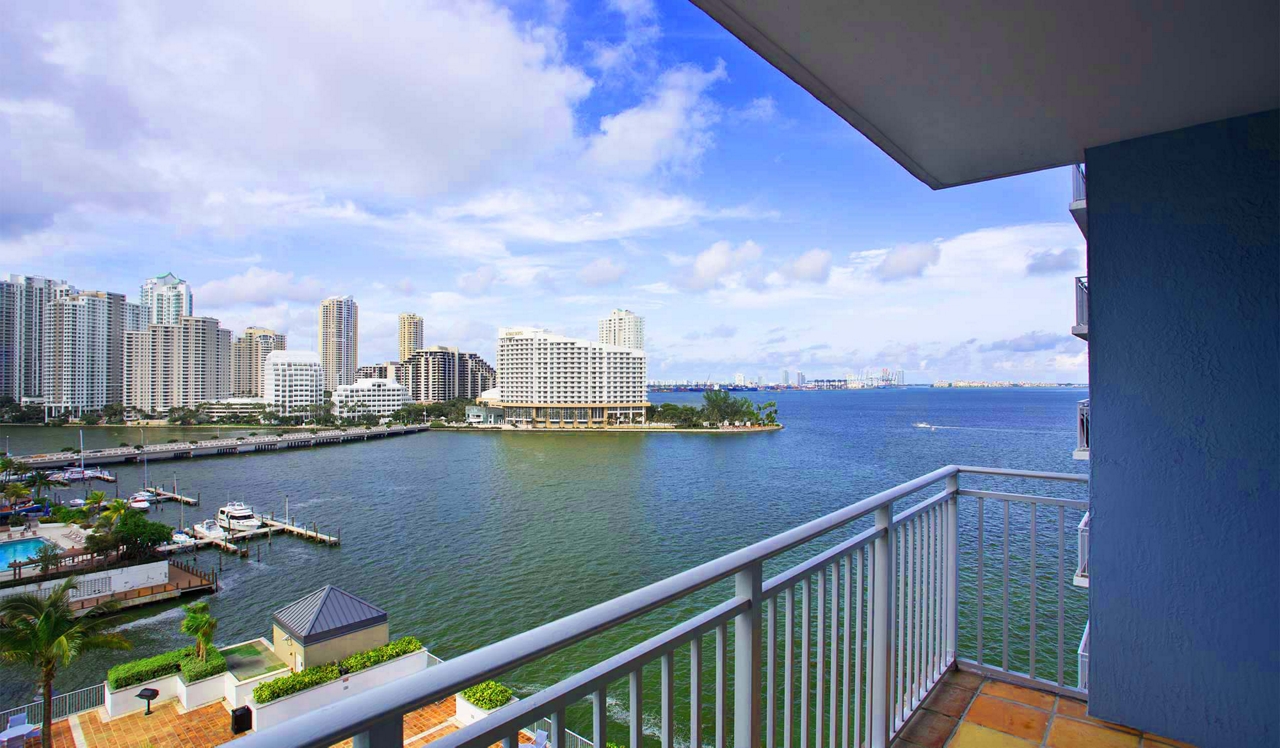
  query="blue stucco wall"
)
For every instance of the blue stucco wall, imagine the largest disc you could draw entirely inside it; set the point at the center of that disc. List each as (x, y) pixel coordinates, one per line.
(1184, 369)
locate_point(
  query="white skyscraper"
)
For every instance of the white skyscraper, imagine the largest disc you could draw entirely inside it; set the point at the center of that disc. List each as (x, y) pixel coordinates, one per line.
(23, 299)
(75, 368)
(739, 379)
(554, 381)
(177, 366)
(339, 340)
(623, 328)
(167, 298)
(292, 382)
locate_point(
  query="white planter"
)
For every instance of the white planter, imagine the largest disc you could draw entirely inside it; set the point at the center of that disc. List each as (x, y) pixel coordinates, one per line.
(202, 692)
(468, 713)
(304, 702)
(126, 699)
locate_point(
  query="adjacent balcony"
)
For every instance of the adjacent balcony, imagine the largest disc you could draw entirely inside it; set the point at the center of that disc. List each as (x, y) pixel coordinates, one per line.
(1082, 552)
(1079, 206)
(832, 633)
(1081, 328)
(1082, 431)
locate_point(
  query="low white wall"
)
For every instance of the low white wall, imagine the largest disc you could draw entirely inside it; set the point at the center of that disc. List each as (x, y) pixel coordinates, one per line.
(126, 699)
(103, 582)
(303, 702)
(202, 692)
(237, 692)
(468, 713)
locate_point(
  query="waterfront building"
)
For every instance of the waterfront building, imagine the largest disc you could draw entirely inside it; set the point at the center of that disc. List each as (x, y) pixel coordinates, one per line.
(22, 309)
(624, 329)
(167, 298)
(387, 370)
(441, 373)
(236, 407)
(378, 396)
(249, 354)
(800, 380)
(786, 378)
(410, 335)
(739, 380)
(76, 356)
(293, 382)
(339, 340)
(177, 366)
(485, 415)
(555, 381)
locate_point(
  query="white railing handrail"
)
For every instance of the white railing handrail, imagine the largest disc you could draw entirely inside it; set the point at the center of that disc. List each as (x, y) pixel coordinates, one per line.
(368, 711)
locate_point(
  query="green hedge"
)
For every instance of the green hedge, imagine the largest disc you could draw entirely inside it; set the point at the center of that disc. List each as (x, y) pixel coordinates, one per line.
(318, 675)
(194, 670)
(178, 661)
(488, 695)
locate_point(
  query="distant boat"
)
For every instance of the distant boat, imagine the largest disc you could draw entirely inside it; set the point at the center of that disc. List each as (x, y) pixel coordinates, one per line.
(140, 504)
(76, 503)
(181, 538)
(209, 529)
(236, 517)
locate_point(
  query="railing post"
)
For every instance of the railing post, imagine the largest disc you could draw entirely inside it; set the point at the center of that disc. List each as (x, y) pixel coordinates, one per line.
(951, 615)
(882, 623)
(747, 659)
(386, 733)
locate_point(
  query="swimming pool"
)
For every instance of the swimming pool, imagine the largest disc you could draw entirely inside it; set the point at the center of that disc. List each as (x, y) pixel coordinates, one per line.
(19, 550)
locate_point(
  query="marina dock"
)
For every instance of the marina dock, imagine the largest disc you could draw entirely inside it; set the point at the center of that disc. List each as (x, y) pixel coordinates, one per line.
(164, 495)
(270, 528)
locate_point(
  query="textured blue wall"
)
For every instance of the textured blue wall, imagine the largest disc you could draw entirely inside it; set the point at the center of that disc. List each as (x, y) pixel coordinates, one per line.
(1184, 347)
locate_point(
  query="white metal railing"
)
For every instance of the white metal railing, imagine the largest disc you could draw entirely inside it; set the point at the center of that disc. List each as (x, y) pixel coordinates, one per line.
(865, 629)
(1082, 430)
(1082, 303)
(1082, 654)
(1078, 184)
(1082, 552)
(64, 705)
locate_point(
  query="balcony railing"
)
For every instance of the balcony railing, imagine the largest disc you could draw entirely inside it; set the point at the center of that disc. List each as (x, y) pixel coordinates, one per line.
(1082, 430)
(837, 647)
(1082, 552)
(1081, 327)
(1078, 184)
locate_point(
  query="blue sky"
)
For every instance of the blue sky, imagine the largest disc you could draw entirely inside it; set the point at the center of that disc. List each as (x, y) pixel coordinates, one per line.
(487, 165)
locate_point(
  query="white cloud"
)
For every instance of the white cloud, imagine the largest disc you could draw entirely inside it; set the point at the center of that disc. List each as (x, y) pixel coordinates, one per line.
(661, 288)
(1050, 262)
(717, 263)
(907, 261)
(813, 266)
(601, 272)
(762, 109)
(479, 280)
(257, 286)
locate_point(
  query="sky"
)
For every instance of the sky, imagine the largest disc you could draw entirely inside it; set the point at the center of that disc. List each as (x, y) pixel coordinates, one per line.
(536, 163)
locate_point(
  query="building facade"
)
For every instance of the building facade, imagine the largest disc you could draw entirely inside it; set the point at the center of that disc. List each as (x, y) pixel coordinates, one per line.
(22, 309)
(167, 299)
(177, 366)
(624, 329)
(440, 373)
(549, 380)
(76, 360)
(410, 335)
(386, 370)
(293, 382)
(377, 396)
(339, 340)
(249, 354)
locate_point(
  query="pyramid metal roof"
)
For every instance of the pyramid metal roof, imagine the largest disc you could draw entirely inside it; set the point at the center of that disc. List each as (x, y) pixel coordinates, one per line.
(326, 614)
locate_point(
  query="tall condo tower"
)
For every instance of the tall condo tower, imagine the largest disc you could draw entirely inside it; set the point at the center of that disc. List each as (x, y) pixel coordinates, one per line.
(410, 335)
(167, 298)
(249, 356)
(23, 302)
(623, 328)
(339, 340)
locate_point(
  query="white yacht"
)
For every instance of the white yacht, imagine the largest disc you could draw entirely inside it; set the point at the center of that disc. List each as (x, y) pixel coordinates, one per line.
(209, 529)
(236, 517)
(181, 538)
(139, 503)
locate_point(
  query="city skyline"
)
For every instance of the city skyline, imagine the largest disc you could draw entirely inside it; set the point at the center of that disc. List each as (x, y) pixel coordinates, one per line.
(646, 160)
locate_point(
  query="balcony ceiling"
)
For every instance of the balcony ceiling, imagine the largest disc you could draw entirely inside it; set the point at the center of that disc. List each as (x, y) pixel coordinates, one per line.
(964, 92)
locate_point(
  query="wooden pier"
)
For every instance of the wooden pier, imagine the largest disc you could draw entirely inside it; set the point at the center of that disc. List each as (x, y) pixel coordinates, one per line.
(164, 495)
(269, 529)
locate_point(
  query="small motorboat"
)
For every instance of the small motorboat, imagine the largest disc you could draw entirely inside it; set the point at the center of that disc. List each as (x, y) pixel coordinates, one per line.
(236, 517)
(181, 538)
(144, 495)
(209, 530)
(140, 504)
(76, 503)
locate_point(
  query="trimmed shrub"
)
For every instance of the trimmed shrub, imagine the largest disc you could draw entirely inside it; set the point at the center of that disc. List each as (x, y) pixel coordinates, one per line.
(436, 424)
(488, 695)
(194, 670)
(318, 675)
(149, 668)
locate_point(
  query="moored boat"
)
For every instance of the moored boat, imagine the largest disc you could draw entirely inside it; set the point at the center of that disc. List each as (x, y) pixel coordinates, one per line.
(209, 529)
(236, 517)
(181, 538)
(140, 504)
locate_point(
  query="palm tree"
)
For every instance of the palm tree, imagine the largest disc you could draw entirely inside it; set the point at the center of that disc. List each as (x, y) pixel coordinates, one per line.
(201, 625)
(48, 557)
(45, 634)
(114, 511)
(16, 492)
(95, 499)
(39, 482)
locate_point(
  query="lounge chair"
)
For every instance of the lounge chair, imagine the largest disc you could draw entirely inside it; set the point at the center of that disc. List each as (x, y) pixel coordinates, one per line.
(17, 719)
(540, 739)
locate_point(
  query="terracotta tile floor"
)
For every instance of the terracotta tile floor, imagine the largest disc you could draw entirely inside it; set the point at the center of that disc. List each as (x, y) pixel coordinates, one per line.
(165, 727)
(968, 711)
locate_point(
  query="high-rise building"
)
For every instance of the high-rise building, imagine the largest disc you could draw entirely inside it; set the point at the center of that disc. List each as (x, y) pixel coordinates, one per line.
(293, 382)
(22, 309)
(786, 378)
(167, 299)
(410, 335)
(76, 359)
(554, 381)
(248, 356)
(739, 380)
(800, 380)
(624, 329)
(387, 370)
(177, 366)
(440, 373)
(339, 340)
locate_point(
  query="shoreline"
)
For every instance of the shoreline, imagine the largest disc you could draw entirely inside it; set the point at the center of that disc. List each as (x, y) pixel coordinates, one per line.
(611, 430)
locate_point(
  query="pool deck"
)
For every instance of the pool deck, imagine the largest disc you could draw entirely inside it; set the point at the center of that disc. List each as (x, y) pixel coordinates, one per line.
(965, 711)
